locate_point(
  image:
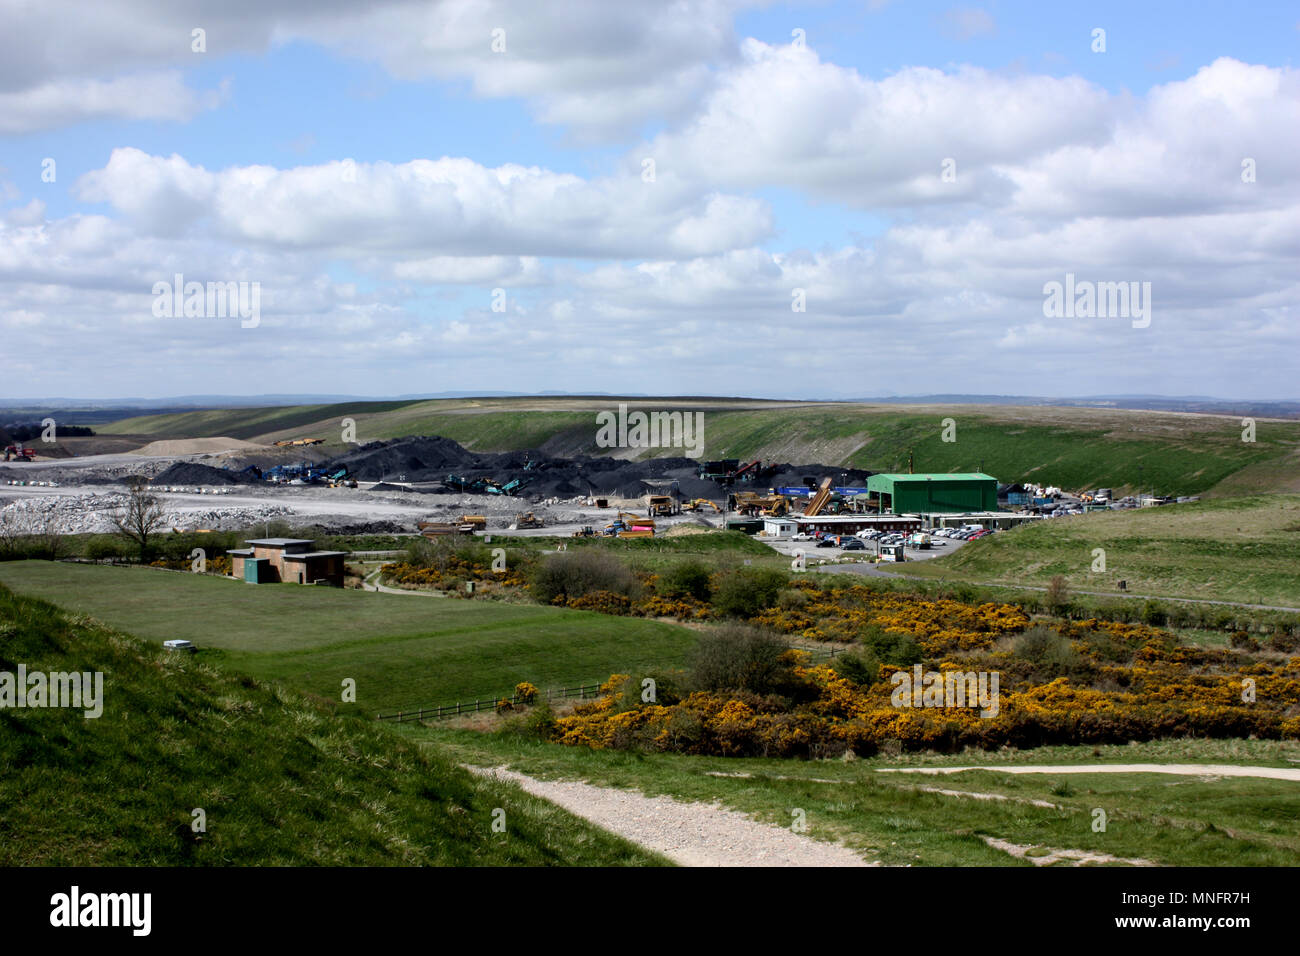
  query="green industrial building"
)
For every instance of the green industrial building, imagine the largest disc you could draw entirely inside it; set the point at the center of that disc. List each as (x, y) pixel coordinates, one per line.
(923, 494)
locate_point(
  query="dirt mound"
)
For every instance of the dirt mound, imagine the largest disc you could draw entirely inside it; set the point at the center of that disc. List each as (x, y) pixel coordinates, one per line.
(175, 447)
(193, 473)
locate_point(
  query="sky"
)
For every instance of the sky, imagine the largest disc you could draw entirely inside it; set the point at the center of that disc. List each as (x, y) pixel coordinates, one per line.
(676, 197)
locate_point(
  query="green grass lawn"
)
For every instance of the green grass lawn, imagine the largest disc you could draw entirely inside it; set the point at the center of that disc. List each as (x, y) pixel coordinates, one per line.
(280, 780)
(1169, 820)
(1233, 549)
(403, 651)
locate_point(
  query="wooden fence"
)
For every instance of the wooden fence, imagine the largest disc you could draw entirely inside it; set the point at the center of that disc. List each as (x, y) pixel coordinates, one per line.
(464, 707)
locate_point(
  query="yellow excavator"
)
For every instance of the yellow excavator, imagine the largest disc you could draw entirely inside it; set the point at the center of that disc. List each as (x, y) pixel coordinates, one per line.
(699, 504)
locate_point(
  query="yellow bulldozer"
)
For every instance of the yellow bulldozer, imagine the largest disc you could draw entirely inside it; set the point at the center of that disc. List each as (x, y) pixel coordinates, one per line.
(527, 520)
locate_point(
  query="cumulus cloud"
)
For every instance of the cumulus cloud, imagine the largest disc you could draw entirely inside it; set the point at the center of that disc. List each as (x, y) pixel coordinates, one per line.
(599, 68)
(444, 207)
(62, 102)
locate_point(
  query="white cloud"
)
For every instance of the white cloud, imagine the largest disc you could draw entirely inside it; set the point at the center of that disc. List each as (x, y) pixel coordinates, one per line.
(62, 102)
(599, 68)
(444, 207)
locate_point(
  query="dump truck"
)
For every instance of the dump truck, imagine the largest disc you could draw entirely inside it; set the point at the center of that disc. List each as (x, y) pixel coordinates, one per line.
(476, 522)
(19, 453)
(662, 506)
(433, 529)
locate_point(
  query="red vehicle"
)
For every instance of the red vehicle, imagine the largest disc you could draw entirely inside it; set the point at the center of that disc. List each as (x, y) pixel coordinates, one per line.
(19, 453)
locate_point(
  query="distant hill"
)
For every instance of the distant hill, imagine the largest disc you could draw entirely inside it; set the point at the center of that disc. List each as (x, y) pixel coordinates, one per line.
(1074, 447)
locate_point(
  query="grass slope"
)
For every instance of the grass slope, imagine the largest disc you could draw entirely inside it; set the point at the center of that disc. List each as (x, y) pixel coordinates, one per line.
(281, 782)
(1231, 549)
(1071, 447)
(402, 650)
(1180, 821)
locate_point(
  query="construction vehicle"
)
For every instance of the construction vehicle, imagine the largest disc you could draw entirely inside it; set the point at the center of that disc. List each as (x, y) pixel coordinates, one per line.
(527, 520)
(510, 487)
(341, 479)
(753, 504)
(476, 522)
(299, 441)
(628, 525)
(433, 529)
(819, 500)
(662, 506)
(699, 504)
(587, 531)
(727, 471)
(19, 453)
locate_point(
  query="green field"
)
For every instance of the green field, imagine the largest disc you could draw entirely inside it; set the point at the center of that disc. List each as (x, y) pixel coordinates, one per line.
(280, 780)
(403, 651)
(1167, 820)
(1075, 448)
(1245, 550)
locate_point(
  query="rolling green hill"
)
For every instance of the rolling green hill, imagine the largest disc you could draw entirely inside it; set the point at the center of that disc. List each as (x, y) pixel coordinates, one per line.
(281, 780)
(1077, 448)
(1230, 549)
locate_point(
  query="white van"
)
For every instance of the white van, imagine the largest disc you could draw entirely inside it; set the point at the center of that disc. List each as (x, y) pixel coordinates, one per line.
(187, 646)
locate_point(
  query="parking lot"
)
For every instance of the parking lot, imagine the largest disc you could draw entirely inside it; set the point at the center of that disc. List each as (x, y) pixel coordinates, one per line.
(812, 553)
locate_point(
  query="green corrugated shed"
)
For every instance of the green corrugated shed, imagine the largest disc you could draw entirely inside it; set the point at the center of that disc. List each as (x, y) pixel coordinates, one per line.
(944, 491)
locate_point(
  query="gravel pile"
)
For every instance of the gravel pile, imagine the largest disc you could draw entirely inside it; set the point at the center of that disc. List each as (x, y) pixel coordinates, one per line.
(92, 514)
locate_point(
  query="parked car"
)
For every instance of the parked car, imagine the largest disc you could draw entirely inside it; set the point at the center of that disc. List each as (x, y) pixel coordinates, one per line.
(185, 646)
(853, 544)
(826, 543)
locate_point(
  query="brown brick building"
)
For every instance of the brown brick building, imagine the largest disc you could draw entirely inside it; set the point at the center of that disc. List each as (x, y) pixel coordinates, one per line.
(271, 560)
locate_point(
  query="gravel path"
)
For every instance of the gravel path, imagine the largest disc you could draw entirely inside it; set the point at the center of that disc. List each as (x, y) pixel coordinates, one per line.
(1181, 769)
(691, 834)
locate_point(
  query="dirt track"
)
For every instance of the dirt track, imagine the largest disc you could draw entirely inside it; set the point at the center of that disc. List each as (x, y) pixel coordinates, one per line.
(1180, 769)
(692, 834)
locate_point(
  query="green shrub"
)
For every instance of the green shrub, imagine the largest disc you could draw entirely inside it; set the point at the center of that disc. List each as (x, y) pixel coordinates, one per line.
(736, 657)
(688, 579)
(103, 547)
(574, 574)
(860, 666)
(747, 591)
(900, 650)
(1154, 614)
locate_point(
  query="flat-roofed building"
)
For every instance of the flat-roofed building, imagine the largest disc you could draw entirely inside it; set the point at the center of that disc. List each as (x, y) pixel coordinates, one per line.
(925, 493)
(292, 560)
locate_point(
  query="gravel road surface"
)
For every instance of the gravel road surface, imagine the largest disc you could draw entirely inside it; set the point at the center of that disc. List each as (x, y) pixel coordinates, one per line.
(691, 834)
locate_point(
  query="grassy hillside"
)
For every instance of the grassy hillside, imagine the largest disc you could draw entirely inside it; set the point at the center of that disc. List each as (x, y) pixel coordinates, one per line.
(402, 650)
(1231, 549)
(282, 782)
(1072, 447)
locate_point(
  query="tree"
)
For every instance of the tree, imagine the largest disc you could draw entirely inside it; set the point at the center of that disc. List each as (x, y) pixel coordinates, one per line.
(1058, 594)
(140, 518)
